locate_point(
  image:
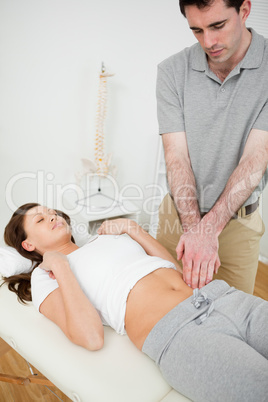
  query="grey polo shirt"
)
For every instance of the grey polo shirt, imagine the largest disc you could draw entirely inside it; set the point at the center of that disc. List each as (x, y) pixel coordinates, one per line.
(217, 117)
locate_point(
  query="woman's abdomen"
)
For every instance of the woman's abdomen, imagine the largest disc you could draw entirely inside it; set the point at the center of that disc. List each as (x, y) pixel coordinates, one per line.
(151, 299)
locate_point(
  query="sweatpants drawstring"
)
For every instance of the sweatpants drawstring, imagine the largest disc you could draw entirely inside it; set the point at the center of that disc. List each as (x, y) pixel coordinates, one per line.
(199, 298)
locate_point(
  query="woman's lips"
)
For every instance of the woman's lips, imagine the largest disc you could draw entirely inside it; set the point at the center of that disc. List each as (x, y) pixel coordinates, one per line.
(56, 225)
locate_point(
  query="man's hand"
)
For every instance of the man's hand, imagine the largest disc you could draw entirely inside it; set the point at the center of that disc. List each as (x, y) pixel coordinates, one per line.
(198, 250)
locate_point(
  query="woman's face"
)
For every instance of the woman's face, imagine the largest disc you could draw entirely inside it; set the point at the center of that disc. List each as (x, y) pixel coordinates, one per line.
(45, 230)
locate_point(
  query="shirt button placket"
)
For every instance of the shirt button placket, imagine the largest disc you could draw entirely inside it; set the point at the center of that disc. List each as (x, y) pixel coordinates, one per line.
(222, 98)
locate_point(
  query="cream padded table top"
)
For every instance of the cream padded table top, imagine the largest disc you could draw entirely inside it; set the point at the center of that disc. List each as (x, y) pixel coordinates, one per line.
(117, 373)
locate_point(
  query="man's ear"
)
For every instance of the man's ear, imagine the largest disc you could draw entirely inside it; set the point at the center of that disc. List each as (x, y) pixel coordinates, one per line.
(27, 245)
(245, 9)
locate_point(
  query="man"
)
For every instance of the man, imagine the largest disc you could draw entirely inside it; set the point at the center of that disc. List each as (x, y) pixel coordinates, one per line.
(213, 118)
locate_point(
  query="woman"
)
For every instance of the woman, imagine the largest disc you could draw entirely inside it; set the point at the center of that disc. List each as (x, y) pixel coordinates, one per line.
(211, 345)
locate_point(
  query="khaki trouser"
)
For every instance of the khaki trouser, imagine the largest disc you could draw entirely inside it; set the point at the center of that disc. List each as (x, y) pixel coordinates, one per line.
(238, 244)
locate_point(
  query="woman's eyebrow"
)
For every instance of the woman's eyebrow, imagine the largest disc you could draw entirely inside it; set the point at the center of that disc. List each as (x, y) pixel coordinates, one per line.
(38, 213)
(44, 211)
(41, 213)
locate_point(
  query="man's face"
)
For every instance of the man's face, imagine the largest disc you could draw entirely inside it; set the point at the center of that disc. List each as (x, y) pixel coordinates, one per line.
(218, 29)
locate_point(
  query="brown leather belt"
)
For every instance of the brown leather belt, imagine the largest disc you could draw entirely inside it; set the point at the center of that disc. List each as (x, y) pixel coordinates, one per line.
(249, 209)
(243, 211)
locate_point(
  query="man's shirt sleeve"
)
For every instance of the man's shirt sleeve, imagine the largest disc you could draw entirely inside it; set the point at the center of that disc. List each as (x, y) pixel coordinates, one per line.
(169, 108)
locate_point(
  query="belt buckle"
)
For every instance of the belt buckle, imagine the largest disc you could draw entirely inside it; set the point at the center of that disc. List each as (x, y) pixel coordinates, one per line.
(241, 213)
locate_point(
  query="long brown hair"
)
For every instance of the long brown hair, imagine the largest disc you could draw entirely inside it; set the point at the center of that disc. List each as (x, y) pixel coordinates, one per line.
(14, 235)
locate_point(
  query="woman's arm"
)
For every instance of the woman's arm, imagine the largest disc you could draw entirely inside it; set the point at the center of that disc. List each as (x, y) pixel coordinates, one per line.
(69, 307)
(150, 245)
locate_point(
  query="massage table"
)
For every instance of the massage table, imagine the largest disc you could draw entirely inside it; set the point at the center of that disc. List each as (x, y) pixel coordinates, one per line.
(117, 373)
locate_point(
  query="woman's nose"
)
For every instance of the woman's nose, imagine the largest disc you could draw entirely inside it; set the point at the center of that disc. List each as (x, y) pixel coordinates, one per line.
(53, 217)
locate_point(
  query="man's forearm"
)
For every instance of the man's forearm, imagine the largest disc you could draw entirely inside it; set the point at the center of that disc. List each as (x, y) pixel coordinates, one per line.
(181, 178)
(183, 188)
(239, 187)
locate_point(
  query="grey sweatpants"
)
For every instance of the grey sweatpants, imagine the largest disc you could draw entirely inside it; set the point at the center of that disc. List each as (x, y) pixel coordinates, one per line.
(214, 346)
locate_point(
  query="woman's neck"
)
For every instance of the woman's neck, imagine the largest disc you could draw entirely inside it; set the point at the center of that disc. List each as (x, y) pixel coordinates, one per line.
(67, 248)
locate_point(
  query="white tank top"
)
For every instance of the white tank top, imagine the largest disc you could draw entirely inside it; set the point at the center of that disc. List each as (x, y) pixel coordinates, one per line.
(106, 270)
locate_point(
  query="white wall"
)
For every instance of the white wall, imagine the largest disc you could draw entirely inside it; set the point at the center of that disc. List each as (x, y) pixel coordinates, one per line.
(264, 240)
(51, 54)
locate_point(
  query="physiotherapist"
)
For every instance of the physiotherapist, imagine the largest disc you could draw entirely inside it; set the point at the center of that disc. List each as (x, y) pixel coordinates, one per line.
(212, 101)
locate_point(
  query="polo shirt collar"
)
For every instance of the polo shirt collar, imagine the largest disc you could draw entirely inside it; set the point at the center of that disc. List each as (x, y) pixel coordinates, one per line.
(199, 59)
(254, 55)
(252, 59)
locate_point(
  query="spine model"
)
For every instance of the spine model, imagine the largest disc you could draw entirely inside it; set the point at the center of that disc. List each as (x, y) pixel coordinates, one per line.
(101, 161)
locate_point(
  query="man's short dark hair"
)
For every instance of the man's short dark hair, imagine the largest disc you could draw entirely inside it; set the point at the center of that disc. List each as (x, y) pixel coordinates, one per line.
(207, 3)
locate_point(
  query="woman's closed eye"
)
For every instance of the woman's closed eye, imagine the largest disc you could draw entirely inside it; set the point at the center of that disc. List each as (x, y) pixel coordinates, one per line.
(51, 213)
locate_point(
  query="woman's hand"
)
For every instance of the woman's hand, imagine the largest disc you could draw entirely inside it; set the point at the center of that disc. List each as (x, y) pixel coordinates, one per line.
(117, 226)
(51, 261)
